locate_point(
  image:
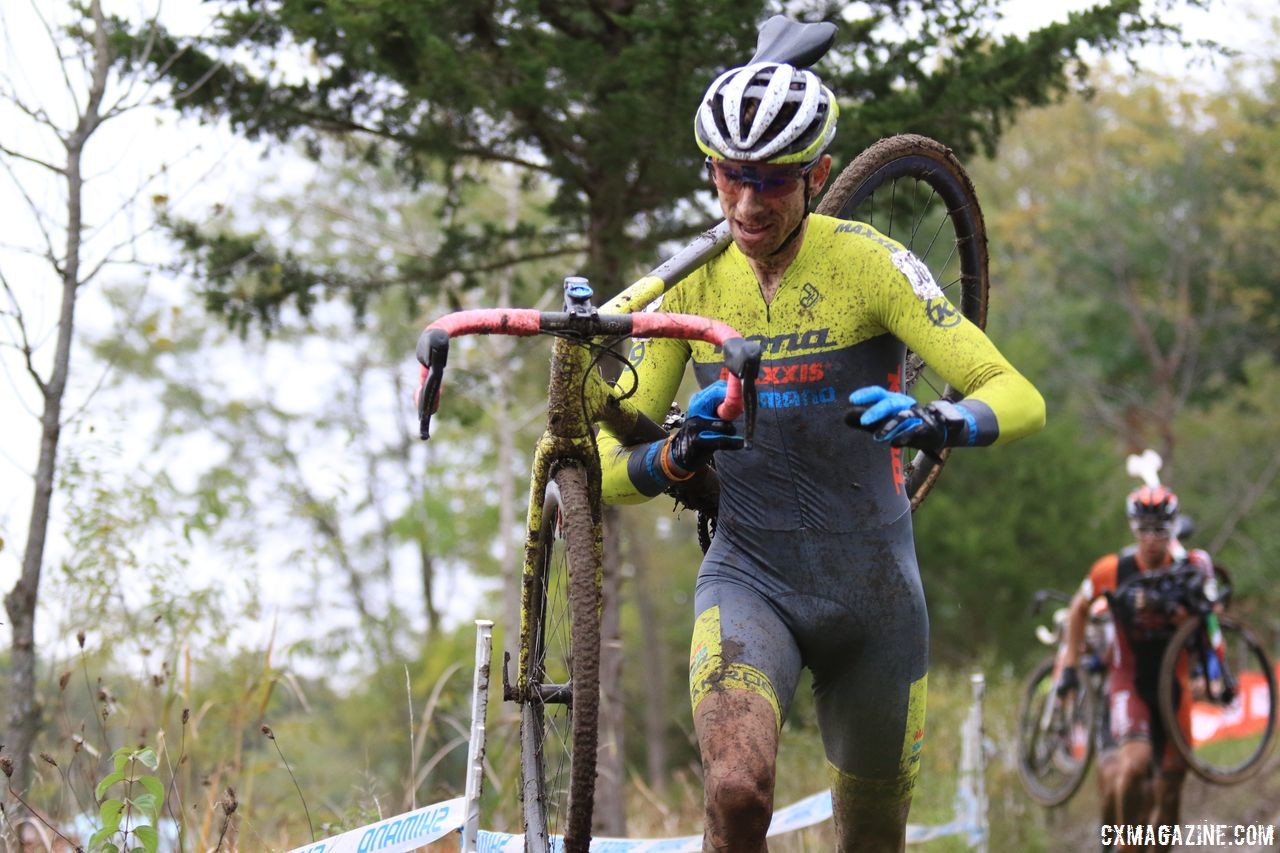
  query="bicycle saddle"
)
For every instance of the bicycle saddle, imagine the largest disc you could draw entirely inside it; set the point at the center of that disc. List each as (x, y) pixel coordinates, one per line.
(793, 42)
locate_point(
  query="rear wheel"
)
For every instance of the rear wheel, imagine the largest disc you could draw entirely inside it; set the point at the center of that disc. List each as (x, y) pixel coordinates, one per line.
(1055, 740)
(1233, 710)
(913, 189)
(560, 710)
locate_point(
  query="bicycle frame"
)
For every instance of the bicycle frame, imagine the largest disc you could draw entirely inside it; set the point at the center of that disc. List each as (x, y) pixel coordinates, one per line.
(580, 398)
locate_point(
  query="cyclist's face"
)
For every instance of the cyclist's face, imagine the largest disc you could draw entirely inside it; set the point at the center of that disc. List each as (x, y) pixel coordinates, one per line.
(1153, 541)
(763, 204)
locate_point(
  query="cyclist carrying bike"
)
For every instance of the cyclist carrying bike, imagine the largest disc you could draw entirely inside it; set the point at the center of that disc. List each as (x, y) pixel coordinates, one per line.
(813, 562)
(1145, 618)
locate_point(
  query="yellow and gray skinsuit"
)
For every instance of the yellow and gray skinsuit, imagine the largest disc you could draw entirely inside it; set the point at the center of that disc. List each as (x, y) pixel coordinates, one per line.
(813, 563)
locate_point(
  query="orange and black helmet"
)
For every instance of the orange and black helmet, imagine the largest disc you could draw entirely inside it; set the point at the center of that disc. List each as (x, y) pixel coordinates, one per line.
(1152, 504)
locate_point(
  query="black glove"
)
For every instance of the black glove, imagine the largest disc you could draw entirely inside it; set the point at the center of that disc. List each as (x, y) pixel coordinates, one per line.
(1067, 681)
(691, 446)
(703, 433)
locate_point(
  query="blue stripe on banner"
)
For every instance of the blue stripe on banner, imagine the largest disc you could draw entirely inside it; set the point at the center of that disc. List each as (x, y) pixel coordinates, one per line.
(429, 823)
(396, 834)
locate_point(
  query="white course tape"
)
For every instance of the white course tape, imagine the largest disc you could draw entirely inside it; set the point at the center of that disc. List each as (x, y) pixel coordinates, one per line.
(412, 830)
(396, 834)
(810, 811)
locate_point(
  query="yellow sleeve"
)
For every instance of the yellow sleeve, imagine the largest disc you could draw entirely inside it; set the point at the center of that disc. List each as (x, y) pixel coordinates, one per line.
(958, 351)
(659, 366)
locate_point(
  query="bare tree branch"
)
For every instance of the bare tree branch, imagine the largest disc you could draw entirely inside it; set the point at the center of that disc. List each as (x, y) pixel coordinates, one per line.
(1241, 508)
(37, 115)
(18, 155)
(37, 217)
(129, 321)
(25, 348)
(56, 44)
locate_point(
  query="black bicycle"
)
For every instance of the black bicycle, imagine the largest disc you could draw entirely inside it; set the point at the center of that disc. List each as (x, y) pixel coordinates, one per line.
(1056, 739)
(1215, 663)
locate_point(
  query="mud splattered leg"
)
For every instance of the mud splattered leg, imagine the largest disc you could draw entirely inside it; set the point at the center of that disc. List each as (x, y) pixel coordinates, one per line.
(737, 717)
(738, 735)
(870, 814)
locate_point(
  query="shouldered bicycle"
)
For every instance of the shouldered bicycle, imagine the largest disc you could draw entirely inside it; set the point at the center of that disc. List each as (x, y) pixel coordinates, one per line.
(913, 190)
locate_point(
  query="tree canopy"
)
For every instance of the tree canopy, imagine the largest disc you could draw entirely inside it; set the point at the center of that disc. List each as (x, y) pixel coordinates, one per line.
(598, 97)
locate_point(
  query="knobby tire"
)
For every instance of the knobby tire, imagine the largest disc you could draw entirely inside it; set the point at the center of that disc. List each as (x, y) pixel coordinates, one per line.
(913, 189)
(564, 600)
(1037, 689)
(1257, 658)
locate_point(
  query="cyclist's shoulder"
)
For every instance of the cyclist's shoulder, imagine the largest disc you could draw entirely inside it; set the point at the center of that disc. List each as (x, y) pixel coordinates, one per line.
(1199, 557)
(1101, 576)
(847, 235)
(1107, 562)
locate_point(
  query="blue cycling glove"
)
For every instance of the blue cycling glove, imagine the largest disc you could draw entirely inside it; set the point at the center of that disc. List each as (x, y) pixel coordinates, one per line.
(902, 422)
(690, 447)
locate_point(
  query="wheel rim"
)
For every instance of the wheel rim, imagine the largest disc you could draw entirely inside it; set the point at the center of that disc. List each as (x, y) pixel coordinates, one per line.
(913, 190)
(558, 745)
(1231, 731)
(1054, 752)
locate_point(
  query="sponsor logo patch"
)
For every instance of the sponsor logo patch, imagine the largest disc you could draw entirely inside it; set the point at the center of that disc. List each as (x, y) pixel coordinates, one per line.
(918, 274)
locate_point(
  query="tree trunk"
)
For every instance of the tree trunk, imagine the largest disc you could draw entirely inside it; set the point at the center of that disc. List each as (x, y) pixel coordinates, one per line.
(20, 603)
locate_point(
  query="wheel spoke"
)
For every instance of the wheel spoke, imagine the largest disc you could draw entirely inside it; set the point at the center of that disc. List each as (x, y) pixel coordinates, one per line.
(935, 208)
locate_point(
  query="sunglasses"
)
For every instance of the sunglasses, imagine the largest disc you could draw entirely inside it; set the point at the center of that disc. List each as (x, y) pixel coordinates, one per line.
(765, 181)
(1150, 529)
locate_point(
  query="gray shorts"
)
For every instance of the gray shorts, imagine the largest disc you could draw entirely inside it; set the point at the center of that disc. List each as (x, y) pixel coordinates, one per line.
(850, 607)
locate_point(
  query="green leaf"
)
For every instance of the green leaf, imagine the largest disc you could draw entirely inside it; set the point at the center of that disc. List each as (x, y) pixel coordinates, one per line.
(149, 837)
(100, 836)
(154, 787)
(121, 757)
(107, 781)
(145, 803)
(110, 813)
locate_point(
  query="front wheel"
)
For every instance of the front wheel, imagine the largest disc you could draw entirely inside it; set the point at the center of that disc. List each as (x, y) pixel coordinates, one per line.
(1232, 691)
(912, 189)
(560, 710)
(1055, 740)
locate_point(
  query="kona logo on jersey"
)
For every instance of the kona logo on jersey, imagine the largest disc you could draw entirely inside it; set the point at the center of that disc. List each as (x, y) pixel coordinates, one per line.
(636, 355)
(941, 314)
(795, 399)
(810, 295)
(788, 374)
(795, 342)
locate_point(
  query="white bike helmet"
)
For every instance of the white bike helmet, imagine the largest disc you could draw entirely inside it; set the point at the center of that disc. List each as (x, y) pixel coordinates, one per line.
(768, 112)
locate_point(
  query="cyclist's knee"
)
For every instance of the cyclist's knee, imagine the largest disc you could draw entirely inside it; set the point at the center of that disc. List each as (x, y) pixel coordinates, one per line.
(743, 793)
(871, 814)
(739, 804)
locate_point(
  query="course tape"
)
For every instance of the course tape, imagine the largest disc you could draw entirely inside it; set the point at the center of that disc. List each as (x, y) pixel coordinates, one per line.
(810, 811)
(414, 829)
(397, 834)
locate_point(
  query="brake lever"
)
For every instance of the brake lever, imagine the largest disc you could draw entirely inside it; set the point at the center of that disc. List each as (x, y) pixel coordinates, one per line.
(433, 354)
(742, 358)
